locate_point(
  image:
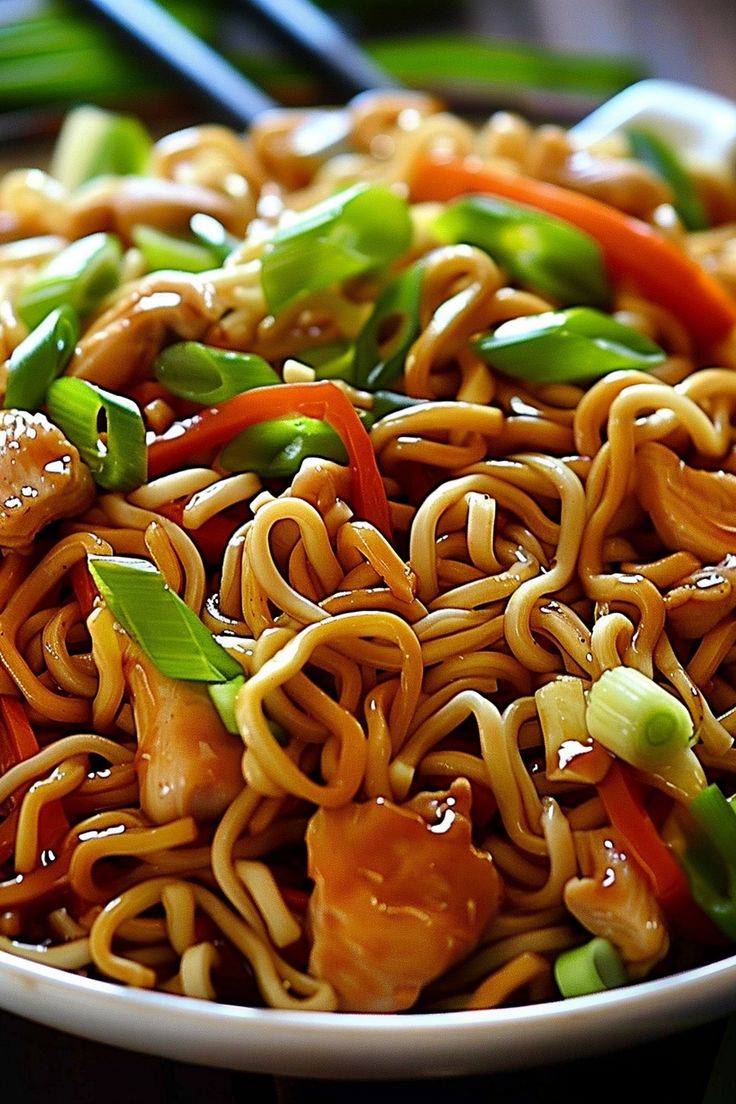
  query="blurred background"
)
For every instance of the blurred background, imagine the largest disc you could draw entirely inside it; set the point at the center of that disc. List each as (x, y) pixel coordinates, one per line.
(552, 59)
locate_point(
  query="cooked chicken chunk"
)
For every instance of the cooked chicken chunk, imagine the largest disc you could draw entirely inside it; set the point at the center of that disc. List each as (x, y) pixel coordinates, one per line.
(615, 900)
(187, 763)
(400, 895)
(42, 477)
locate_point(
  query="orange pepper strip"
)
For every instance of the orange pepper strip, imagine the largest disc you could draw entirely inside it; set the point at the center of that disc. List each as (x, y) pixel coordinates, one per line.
(323, 400)
(619, 793)
(633, 250)
(84, 588)
(20, 744)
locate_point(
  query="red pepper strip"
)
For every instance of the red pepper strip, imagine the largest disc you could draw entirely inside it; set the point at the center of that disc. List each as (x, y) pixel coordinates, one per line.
(632, 248)
(84, 588)
(323, 400)
(296, 899)
(211, 537)
(7, 835)
(618, 792)
(20, 745)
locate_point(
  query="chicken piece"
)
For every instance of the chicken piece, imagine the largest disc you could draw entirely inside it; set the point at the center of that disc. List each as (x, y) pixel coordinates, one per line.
(42, 478)
(120, 204)
(123, 342)
(691, 509)
(187, 763)
(614, 900)
(400, 895)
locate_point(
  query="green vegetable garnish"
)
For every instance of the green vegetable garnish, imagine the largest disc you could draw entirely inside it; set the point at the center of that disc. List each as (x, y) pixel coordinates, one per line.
(387, 336)
(590, 968)
(275, 450)
(566, 346)
(168, 631)
(652, 150)
(80, 276)
(223, 695)
(637, 719)
(94, 142)
(540, 252)
(212, 234)
(166, 251)
(107, 429)
(208, 375)
(710, 858)
(360, 229)
(40, 358)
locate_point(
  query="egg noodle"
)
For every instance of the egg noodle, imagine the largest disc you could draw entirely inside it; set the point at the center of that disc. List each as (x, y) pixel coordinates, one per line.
(413, 808)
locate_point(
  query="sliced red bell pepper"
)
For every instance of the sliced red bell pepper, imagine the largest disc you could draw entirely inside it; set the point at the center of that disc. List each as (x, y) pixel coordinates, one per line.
(84, 588)
(19, 744)
(633, 250)
(619, 793)
(323, 400)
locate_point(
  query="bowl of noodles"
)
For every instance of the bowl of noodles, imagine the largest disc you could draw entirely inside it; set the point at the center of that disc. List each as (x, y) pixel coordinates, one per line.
(368, 590)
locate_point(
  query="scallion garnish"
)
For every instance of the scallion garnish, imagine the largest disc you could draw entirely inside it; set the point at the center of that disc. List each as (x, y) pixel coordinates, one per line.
(275, 450)
(591, 968)
(388, 402)
(208, 375)
(94, 142)
(637, 719)
(107, 429)
(387, 336)
(168, 631)
(80, 275)
(566, 346)
(709, 858)
(538, 251)
(223, 695)
(332, 361)
(652, 150)
(167, 251)
(211, 233)
(40, 358)
(360, 229)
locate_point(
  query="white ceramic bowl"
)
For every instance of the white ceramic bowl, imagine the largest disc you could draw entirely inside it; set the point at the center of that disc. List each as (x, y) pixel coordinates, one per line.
(359, 1046)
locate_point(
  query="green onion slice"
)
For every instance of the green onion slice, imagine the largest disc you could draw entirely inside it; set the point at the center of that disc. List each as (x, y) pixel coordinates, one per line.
(578, 344)
(590, 968)
(208, 375)
(107, 429)
(94, 142)
(80, 275)
(360, 229)
(223, 695)
(276, 449)
(390, 331)
(388, 402)
(212, 234)
(40, 358)
(168, 631)
(332, 361)
(652, 150)
(709, 858)
(539, 251)
(637, 719)
(166, 251)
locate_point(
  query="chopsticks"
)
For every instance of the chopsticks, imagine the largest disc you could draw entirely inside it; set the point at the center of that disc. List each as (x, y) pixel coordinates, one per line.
(233, 97)
(236, 100)
(322, 41)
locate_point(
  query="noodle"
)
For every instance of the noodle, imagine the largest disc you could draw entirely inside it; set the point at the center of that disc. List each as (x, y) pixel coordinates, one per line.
(402, 804)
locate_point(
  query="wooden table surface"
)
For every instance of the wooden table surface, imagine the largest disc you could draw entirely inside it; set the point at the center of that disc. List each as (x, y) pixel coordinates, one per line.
(40, 1064)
